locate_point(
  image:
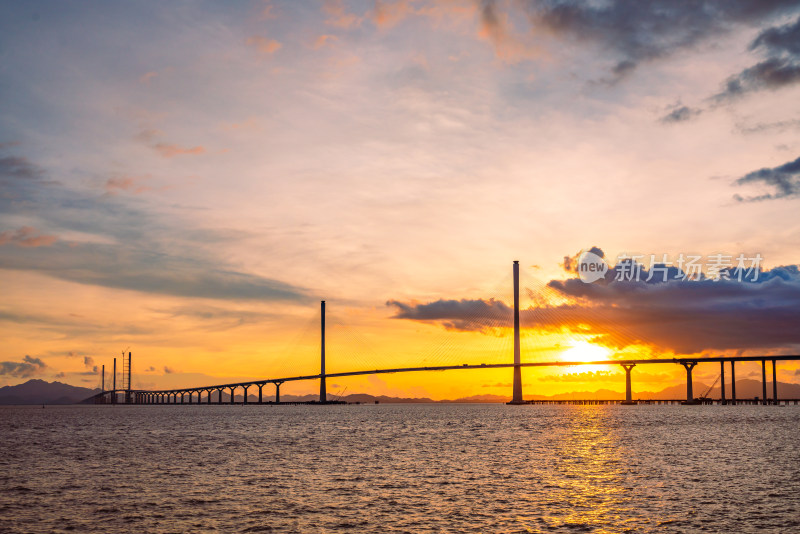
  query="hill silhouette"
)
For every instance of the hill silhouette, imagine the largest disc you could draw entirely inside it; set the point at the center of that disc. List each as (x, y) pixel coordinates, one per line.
(40, 392)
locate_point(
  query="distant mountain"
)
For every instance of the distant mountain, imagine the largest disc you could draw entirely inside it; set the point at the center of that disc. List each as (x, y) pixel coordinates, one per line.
(41, 392)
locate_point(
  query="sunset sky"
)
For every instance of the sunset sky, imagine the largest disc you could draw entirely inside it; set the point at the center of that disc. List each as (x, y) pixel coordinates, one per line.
(187, 180)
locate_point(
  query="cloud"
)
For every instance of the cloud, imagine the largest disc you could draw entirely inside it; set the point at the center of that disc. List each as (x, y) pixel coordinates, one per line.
(26, 237)
(88, 361)
(127, 184)
(781, 45)
(28, 367)
(777, 126)
(643, 31)
(772, 73)
(495, 27)
(681, 114)
(268, 12)
(146, 77)
(464, 314)
(263, 45)
(784, 179)
(148, 271)
(169, 370)
(167, 150)
(387, 14)
(678, 315)
(780, 39)
(337, 15)
(134, 249)
(18, 168)
(324, 41)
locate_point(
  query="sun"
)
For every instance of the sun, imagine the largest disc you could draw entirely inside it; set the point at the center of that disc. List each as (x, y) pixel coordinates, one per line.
(583, 351)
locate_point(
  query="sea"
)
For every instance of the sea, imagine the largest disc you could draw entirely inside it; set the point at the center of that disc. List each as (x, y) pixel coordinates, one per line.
(399, 468)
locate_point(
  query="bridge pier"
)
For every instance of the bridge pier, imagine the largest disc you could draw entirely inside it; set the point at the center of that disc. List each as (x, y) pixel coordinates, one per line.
(733, 383)
(209, 395)
(628, 390)
(689, 393)
(764, 382)
(277, 392)
(774, 385)
(183, 395)
(260, 391)
(245, 394)
(722, 400)
(233, 397)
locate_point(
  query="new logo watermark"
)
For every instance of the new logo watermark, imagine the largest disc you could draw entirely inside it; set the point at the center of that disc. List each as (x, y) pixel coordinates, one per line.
(591, 267)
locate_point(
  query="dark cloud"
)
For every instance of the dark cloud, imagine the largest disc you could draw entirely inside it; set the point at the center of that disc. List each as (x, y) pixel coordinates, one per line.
(781, 46)
(784, 180)
(12, 167)
(778, 126)
(780, 40)
(640, 31)
(28, 367)
(772, 73)
(464, 314)
(682, 316)
(681, 114)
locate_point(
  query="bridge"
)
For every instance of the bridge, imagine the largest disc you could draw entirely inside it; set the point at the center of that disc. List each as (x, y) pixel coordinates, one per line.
(208, 393)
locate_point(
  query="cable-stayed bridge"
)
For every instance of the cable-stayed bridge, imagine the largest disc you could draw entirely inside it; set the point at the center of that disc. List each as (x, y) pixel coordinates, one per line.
(213, 394)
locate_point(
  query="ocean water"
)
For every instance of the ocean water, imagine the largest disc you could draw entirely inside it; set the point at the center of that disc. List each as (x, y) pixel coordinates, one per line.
(400, 468)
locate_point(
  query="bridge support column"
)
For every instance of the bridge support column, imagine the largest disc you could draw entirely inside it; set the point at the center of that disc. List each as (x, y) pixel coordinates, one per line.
(233, 396)
(278, 392)
(628, 390)
(774, 385)
(689, 393)
(260, 394)
(516, 397)
(733, 382)
(183, 394)
(219, 397)
(209, 396)
(323, 393)
(722, 384)
(245, 393)
(764, 382)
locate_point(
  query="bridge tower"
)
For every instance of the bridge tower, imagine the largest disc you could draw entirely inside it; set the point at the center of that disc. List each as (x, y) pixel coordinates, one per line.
(323, 394)
(517, 392)
(126, 376)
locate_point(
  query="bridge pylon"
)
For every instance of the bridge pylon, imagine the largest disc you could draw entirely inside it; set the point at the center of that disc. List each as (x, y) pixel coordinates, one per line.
(516, 397)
